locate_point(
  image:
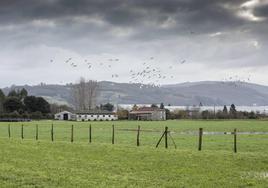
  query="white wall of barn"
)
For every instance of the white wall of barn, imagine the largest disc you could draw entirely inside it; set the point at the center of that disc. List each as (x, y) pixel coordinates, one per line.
(96, 117)
(60, 116)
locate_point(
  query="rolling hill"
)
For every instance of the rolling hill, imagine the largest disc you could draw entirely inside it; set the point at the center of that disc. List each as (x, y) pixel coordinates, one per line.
(190, 93)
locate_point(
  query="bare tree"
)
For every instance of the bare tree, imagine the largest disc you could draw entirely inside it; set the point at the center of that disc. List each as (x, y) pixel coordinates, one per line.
(91, 93)
(85, 94)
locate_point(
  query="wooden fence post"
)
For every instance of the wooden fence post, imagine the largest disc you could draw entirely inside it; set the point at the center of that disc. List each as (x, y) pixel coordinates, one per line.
(90, 133)
(138, 136)
(160, 140)
(36, 132)
(72, 133)
(52, 132)
(113, 135)
(22, 133)
(9, 132)
(166, 137)
(200, 139)
(235, 137)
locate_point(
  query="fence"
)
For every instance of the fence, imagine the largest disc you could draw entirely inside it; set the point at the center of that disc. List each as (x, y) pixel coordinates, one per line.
(164, 137)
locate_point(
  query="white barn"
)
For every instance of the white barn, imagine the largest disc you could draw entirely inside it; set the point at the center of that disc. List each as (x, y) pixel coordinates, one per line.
(96, 116)
(65, 115)
(87, 116)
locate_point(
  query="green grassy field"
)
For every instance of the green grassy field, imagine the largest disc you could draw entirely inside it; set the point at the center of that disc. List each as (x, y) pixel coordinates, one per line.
(30, 163)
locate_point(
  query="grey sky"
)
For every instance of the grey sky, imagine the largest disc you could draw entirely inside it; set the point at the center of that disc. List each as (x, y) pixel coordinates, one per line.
(218, 39)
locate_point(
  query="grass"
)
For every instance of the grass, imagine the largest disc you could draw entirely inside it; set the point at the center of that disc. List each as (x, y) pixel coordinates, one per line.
(30, 163)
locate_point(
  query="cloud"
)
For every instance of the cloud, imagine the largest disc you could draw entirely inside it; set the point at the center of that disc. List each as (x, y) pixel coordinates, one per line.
(208, 33)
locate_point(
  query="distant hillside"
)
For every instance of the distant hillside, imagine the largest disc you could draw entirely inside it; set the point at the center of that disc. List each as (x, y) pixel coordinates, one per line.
(192, 93)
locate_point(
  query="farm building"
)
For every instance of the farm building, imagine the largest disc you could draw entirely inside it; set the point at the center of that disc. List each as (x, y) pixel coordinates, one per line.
(65, 115)
(96, 116)
(87, 116)
(148, 113)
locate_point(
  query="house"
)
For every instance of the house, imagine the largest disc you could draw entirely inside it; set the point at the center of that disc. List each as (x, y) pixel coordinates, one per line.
(87, 116)
(148, 113)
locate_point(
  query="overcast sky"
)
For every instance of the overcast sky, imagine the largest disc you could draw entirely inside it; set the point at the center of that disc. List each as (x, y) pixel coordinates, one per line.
(186, 40)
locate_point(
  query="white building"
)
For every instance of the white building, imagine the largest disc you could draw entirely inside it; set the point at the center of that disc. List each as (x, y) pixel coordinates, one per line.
(96, 117)
(87, 116)
(65, 115)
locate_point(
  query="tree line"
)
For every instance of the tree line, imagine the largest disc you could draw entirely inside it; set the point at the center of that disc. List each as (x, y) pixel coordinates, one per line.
(225, 113)
(18, 104)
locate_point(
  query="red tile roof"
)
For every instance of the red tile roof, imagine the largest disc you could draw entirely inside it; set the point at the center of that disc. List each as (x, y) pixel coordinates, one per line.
(146, 110)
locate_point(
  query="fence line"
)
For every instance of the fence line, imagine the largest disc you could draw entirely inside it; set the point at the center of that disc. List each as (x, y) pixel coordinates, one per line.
(200, 139)
(138, 136)
(196, 132)
(36, 132)
(90, 134)
(165, 134)
(235, 141)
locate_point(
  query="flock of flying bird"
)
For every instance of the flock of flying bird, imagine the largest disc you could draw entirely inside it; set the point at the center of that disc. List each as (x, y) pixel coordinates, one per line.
(150, 75)
(147, 75)
(236, 81)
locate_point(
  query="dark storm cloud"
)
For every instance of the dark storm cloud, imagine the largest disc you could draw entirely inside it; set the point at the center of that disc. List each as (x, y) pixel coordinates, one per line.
(218, 34)
(142, 20)
(74, 23)
(121, 12)
(261, 11)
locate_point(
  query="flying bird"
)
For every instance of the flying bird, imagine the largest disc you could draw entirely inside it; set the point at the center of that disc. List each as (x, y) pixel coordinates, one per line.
(183, 61)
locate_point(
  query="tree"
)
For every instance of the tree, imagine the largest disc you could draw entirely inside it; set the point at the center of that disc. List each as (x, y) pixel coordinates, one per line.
(232, 111)
(2, 99)
(43, 105)
(205, 114)
(107, 106)
(30, 104)
(23, 93)
(225, 111)
(79, 94)
(135, 107)
(12, 93)
(122, 114)
(12, 104)
(252, 115)
(85, 94)
(91, 93)
(14, 114)
(168, 114)
(2, 95)
(154, 106)
(162, 106)
(36, 104)
(36, 115)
